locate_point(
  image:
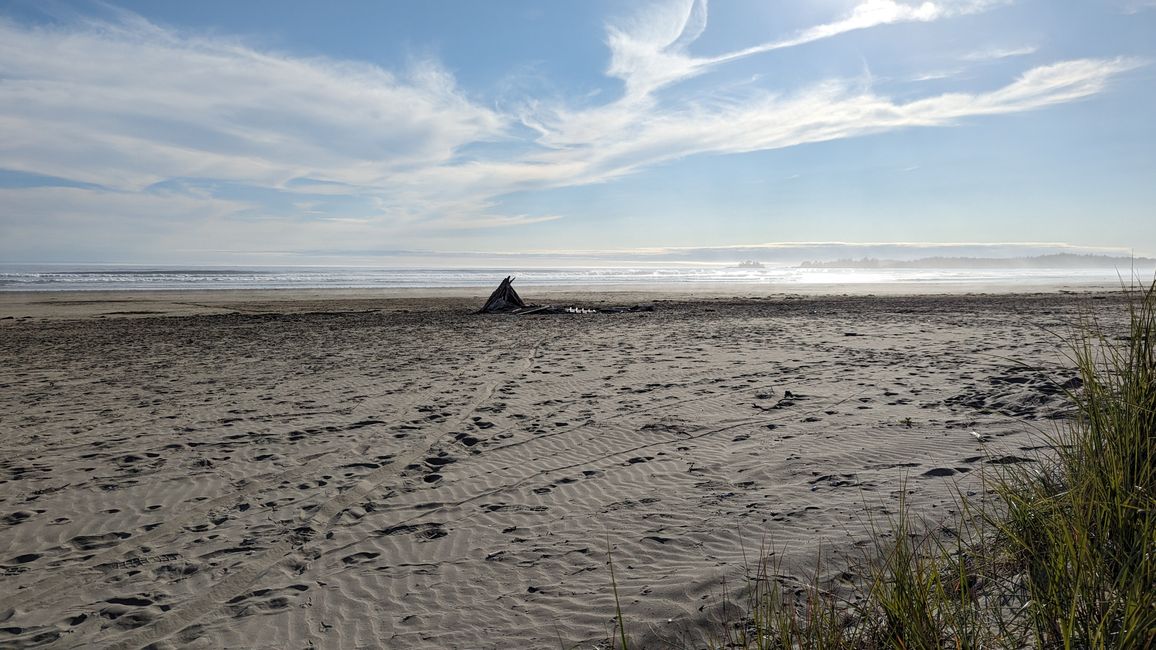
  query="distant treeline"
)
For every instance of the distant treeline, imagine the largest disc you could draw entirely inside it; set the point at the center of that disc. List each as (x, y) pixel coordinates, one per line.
(1056, 260)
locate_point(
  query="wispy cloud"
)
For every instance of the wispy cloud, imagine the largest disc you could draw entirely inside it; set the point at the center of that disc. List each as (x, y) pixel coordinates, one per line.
(591, 149)
(129, 106)
(649, 50)
(1136, 6)
(872, 13)
(986, 55)
(936, 75)
(996, 53)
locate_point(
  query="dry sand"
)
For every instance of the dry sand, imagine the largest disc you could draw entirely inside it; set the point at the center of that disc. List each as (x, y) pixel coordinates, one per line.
(271, 470)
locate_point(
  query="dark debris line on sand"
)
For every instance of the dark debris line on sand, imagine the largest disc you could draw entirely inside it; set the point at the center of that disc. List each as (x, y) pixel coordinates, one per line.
(505, 300)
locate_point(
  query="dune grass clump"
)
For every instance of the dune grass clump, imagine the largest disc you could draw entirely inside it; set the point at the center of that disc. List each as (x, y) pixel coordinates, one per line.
(1082, 531)
(786, 614)
(1056, 554)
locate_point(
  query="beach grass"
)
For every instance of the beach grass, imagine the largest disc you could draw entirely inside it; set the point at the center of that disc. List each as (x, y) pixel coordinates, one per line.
(1083, 531)
(1059, 553)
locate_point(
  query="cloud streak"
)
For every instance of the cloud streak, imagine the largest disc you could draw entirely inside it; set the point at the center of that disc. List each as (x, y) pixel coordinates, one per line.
(649, 50)
(994, 54)
(867, 14)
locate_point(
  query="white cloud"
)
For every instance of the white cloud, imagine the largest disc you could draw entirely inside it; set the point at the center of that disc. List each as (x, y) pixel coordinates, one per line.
(1037, 88)
(1135, 6)
(867, 14)
(936, 75)
(997, 53)
(129, 104)
(649, 50)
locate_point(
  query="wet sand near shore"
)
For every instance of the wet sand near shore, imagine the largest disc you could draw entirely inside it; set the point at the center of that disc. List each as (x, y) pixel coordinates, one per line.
(340, 469)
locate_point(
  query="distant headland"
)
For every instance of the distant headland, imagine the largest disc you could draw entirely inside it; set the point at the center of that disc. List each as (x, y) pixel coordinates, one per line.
(1051, 261)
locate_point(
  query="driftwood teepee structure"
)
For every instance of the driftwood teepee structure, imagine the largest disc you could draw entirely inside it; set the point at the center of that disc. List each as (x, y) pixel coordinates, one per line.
(504, 298)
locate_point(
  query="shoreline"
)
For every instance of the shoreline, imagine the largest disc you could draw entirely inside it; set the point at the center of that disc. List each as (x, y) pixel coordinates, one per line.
(184, 302)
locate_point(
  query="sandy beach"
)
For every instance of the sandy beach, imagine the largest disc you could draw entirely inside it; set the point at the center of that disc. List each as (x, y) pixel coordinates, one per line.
(345, 470)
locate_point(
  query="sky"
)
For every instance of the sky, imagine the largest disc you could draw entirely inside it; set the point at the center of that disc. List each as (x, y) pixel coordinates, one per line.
(284, 132)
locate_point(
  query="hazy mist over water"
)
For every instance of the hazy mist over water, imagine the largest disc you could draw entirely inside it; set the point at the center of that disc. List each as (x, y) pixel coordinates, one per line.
(103, 278)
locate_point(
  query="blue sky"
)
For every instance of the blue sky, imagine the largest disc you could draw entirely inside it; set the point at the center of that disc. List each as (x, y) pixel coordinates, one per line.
(287, 132)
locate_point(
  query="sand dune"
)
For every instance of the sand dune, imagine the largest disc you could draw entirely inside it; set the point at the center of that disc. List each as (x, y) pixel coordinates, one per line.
(355, 472)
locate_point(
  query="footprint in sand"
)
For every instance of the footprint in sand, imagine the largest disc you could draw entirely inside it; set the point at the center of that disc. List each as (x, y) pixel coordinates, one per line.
(20, 516)
(261, 601)
(939, 471)
(128, 613)
(440, 460)
(25, 559)
(1010, 460)
(93, 542)
(358, 558)
(424, 531)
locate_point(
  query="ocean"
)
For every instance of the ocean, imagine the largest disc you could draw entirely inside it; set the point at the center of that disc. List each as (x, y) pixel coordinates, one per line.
(45, 277)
